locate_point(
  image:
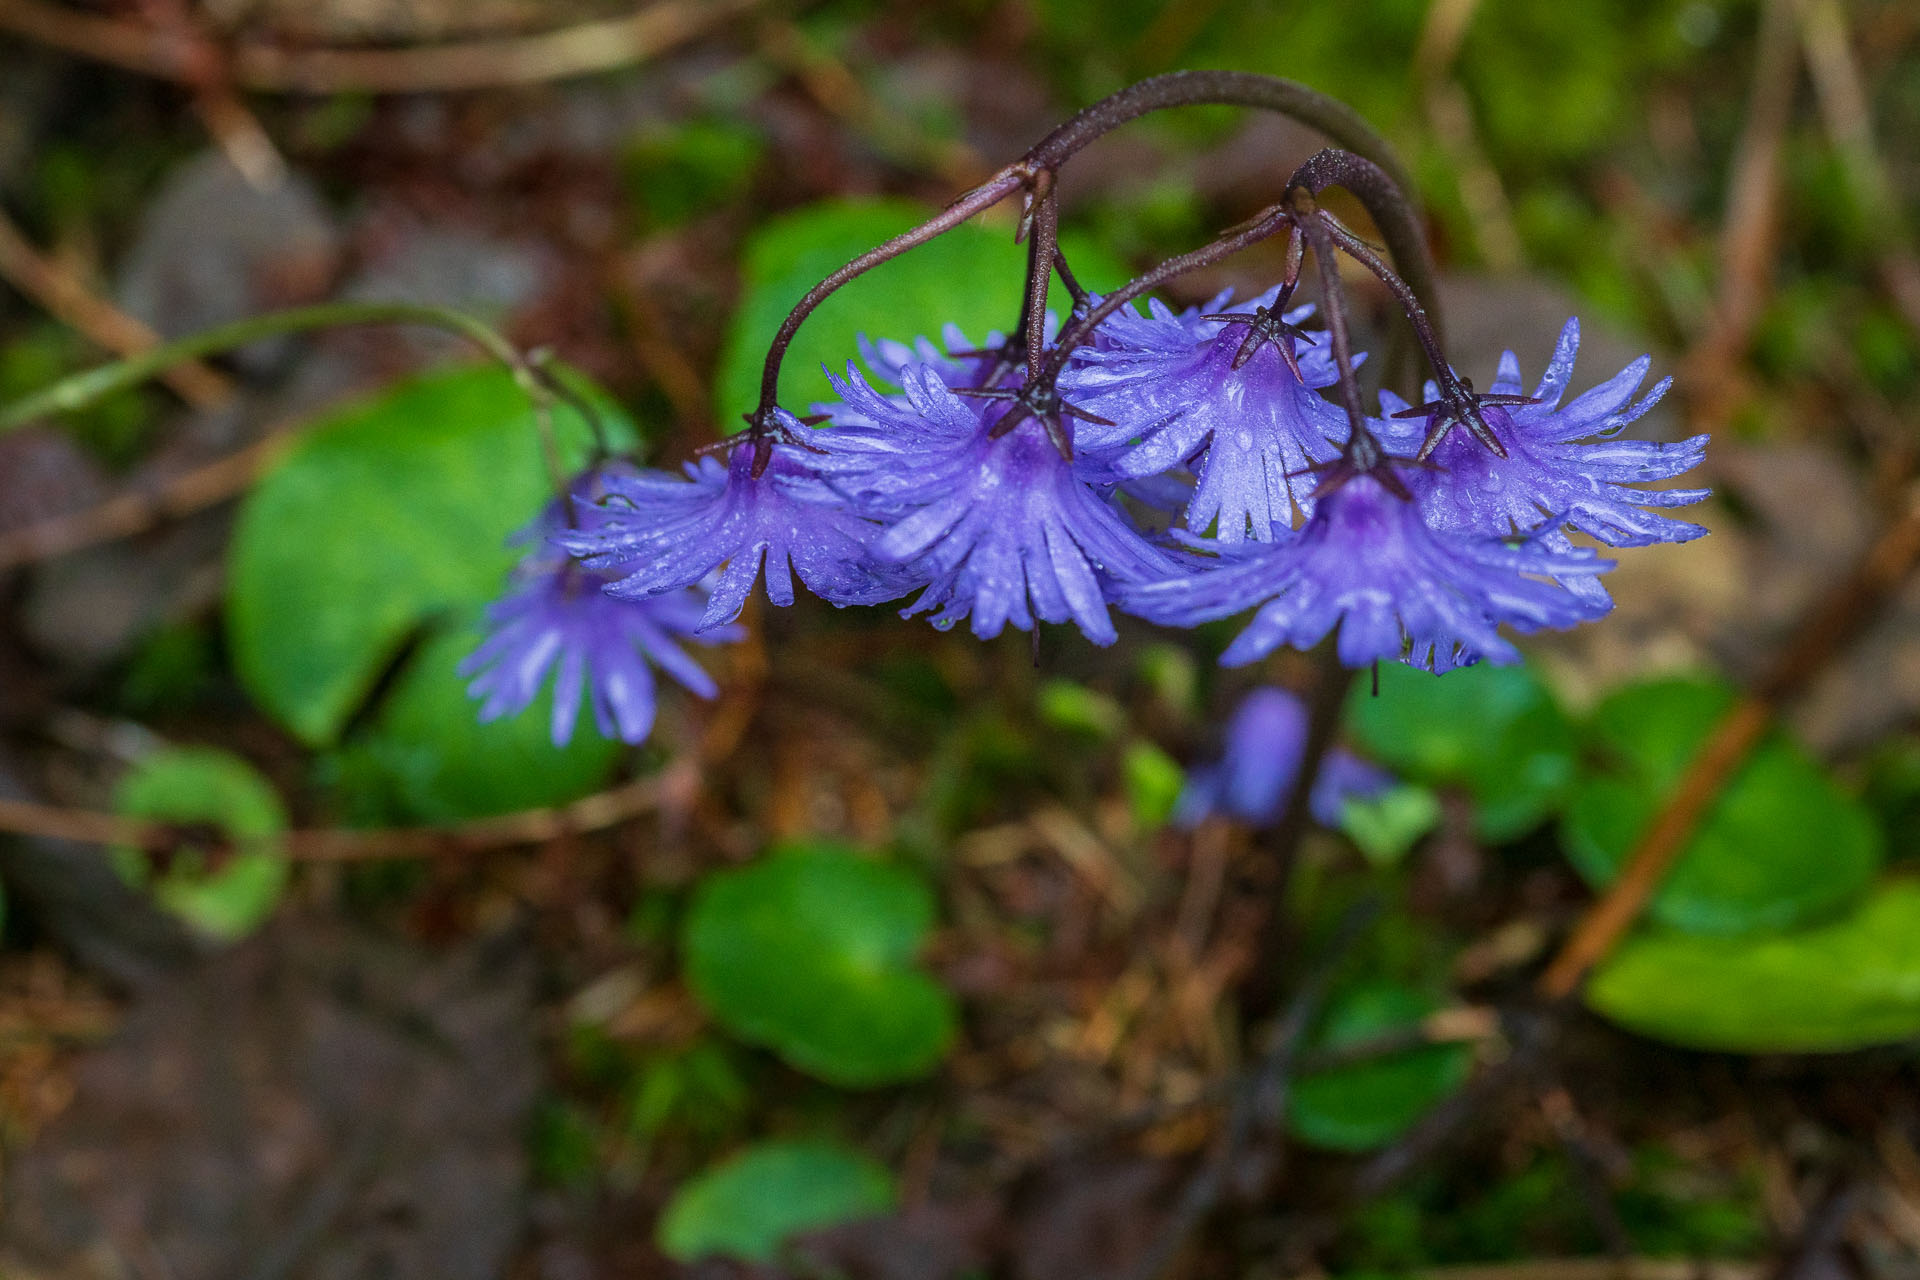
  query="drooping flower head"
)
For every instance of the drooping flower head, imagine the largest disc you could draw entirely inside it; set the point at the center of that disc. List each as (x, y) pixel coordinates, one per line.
(1230, 393)
(555, 618)
(1563, 462)
(1254, 777)
(654, 532)
(998, 530)
(1397, 589)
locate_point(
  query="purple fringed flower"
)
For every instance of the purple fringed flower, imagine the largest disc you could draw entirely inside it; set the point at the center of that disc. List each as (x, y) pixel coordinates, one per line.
(1182, 387)
(655, 533)
(1000, 531)
(954, 360)
(1563, 464)
(1255, 773)
(556, 617)
(1398, 590)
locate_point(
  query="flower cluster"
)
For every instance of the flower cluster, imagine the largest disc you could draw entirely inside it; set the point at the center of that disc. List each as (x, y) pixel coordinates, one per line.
(557, 616)
(1186, 467)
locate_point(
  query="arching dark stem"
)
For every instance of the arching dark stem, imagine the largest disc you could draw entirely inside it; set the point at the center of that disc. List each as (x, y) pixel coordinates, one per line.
(1384, 198)
(989, 193)
(1417, 315)
(1082, 300)
(1035, 174)
(1081, 330)
(1333, 296)
(1045, 241)
(1334, 118)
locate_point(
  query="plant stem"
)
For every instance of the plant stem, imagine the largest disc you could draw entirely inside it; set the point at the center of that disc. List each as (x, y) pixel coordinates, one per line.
(1290, 98)
(1035, 173)
(981, 198)
(1080, 332)
(83, 389)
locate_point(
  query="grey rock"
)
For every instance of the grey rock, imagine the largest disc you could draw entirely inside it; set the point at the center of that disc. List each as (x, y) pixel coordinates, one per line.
(213, 248)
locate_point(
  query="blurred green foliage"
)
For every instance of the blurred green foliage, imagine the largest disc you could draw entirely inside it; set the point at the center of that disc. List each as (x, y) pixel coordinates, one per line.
(812, 951)
(749, 1206)
(1386, 827)
(1782, 845)
(1153, 782)
(225, 894)
(1365, 1105)
(116, 429)
(390, 519)
(970, 277)
(425, 758)
(1541, 1210)
(1843, 985)
(1496, 733)
(676, 173)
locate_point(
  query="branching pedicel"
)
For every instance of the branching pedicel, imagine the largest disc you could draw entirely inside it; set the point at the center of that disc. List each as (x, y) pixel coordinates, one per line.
(996, 482)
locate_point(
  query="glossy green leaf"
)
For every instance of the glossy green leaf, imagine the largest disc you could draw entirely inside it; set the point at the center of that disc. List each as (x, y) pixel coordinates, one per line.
(811, 952)
(970, 277)
(384, 514)
(438, 763)
(1368, 1104)
(1495, 732)
(225, 894)
(1843, 985)
(1783, 845)
(750, 1206)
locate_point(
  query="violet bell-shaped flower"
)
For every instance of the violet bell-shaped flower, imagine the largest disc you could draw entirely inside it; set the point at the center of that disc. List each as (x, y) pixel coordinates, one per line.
(1254, 777)
(654, 533)
(1563, 462)
(556, 619)
(1397, 589)
(1222, 392)
(999, 531)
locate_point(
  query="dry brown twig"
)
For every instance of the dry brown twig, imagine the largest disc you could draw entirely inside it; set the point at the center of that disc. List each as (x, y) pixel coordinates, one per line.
(127, 515)
(259, 67)
(1824, 630)
(329, 844)
(43, 280)
(674, 789)
(1751, 228)
(1842, 613)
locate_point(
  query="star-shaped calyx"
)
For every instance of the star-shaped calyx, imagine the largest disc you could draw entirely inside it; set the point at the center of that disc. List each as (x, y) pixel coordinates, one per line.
(1363, 455)
(1458, 406)
(767, 427)
(1041, 401)
(1264, 325)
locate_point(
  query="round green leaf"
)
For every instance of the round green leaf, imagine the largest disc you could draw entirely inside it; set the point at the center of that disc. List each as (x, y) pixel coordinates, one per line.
(382, 515)
(1369, 1104)
(437, 763)
(811, 953)
(970, 276)
(1844, 985)
(1495, 732)
(225, 895)
(751, 1205)
(1783, 845)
